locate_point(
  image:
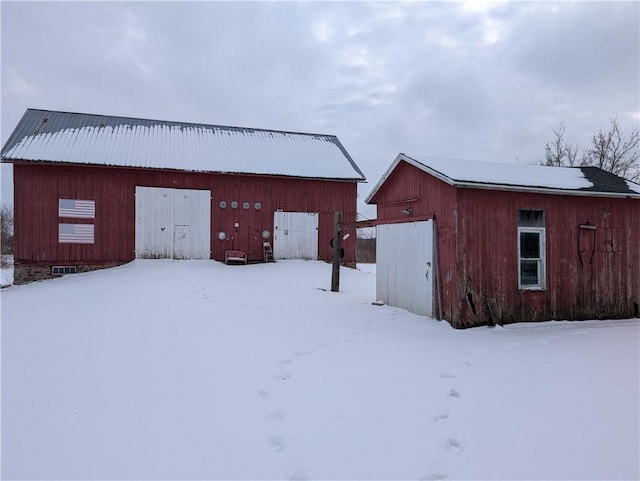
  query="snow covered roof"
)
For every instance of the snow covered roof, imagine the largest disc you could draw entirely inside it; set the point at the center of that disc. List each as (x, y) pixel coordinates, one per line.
(526, 178)
(51, 136)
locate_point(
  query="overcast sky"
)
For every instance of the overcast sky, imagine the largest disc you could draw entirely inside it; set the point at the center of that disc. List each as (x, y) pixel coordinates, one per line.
(475, 80)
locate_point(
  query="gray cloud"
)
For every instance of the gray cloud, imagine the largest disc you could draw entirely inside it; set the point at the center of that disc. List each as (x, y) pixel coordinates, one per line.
(436, 77)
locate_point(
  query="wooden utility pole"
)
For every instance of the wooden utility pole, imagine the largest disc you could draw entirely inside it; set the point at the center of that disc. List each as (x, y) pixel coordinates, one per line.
(337, 241)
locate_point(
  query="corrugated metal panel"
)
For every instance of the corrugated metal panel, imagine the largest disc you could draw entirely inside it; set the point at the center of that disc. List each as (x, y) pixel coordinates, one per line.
(173, 223)
(404, 272)
(295, 235)
(119, 141)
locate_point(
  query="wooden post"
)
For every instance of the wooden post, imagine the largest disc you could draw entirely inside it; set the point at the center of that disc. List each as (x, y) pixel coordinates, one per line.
(337, 238)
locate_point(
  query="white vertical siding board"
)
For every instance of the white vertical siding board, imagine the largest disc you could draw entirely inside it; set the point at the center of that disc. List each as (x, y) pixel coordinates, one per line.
(295, 235)
(280, 226)
(404, 254)
(173, 223)
(154, 222)
(203, 248)
(181, 225)
(197, 216)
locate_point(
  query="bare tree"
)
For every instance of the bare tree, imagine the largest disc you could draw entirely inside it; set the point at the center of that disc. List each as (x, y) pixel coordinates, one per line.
(6, 229)
(612, 151)
(559, 152)
(615, 152)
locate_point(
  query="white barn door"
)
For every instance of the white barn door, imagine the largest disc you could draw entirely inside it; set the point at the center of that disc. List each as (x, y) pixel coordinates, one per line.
(295, 235)
(404, 271)
(173, 223)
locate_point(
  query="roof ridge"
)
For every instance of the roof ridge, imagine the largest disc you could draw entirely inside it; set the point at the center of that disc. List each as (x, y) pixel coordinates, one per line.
(179, 122)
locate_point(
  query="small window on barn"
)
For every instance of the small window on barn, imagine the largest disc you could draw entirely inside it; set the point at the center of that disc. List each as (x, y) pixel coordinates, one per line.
(62, 270)
(531, 250)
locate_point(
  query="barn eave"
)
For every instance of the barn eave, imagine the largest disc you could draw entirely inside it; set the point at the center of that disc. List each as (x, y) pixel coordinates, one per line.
(6, 160)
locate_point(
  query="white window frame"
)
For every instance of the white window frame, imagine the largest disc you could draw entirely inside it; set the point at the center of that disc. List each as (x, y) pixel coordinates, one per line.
(542, 260)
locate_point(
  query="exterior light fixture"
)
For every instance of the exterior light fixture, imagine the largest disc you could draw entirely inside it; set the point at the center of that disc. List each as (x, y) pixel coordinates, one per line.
(407, 211)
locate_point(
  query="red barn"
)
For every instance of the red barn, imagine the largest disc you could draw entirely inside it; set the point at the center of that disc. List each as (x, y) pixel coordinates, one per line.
(94, 191)
(480, 243)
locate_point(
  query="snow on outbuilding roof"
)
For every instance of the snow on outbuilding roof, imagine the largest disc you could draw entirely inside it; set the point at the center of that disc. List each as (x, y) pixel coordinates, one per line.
(64, 137)
(528, 178)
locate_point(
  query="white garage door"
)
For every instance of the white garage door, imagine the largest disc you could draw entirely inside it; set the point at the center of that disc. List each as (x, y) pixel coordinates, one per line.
(404, 271)
(295, 235)
(173, 223)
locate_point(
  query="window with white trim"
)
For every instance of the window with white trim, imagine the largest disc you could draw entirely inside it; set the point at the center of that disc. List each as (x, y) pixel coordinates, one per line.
(531, 250)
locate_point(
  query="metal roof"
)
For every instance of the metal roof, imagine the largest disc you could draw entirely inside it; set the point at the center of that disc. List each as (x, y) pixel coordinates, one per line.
(590, 181)
(65, 137)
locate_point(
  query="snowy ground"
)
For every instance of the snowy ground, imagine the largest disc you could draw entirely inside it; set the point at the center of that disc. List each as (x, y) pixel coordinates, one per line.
(6, 271)
(197, 370)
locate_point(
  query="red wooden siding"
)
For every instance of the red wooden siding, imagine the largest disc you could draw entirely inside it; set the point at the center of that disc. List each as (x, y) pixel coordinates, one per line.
(590, 273)
(37, 188)
(602, 282)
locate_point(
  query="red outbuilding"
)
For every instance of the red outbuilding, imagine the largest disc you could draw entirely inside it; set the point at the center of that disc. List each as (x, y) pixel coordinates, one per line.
(480, 243)
(94, 191)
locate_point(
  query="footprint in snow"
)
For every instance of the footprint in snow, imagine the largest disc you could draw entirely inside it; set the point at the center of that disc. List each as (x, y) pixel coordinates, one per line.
(454, 445)
(277, 415)
(453, 394)
(449, 374)
(286, 362)
(276, 444)
(263, 395)
(302, 353)
(440, 417)
(285, 376)
(297, 474)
